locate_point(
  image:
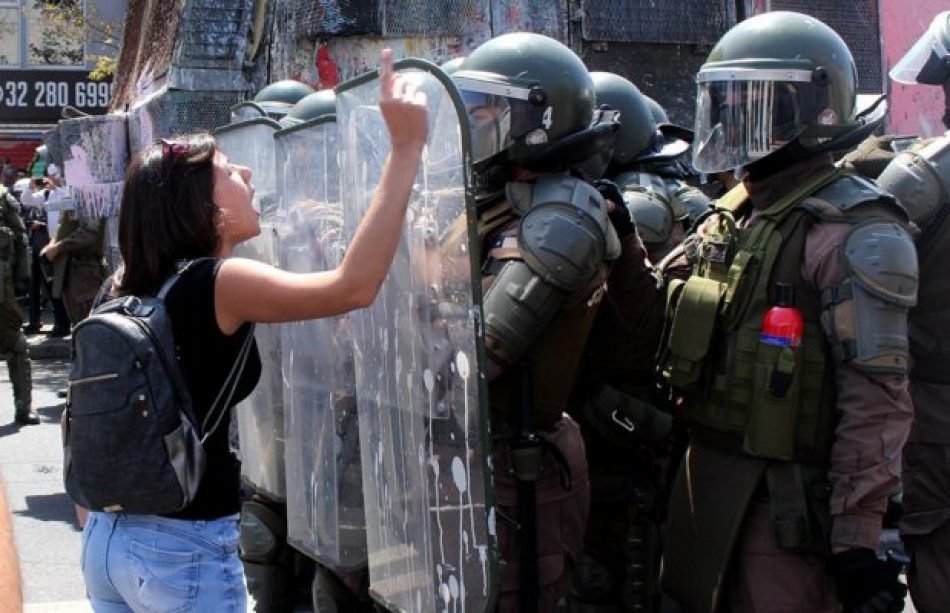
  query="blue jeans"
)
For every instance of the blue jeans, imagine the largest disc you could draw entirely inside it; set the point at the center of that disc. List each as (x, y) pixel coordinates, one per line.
(150, 563)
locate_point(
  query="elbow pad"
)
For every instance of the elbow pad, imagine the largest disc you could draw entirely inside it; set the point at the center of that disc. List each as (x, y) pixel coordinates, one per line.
(869, 308)
(517, 308)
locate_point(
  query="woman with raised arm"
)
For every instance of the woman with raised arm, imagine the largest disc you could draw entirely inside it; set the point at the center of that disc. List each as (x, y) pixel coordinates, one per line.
(184, 201)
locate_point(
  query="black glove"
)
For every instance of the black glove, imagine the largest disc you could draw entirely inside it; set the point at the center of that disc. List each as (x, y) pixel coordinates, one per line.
(867, 584)
(620, 215)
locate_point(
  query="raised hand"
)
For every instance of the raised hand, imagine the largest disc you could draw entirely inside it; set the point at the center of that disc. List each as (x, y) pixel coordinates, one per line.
(402, 105)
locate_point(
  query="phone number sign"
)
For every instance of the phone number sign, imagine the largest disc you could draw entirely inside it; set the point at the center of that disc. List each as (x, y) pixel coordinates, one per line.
(39, 95)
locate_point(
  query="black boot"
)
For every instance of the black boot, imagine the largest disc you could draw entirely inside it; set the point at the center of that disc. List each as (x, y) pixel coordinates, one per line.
(26, 417)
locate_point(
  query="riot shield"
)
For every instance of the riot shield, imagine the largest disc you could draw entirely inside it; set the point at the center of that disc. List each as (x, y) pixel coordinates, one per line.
(260, 417)
(324, 483)
(420, 390)
(250, 142)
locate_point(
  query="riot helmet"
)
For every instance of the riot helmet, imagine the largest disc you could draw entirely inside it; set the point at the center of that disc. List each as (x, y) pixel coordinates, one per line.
(637, 131)
(659, 113)
(311, 106)
(276, 99)
(450, 67)
(928, 61)
(530, 102)
(772, 80)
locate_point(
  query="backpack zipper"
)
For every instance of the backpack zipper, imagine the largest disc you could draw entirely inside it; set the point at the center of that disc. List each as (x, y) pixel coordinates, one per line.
(94, 378)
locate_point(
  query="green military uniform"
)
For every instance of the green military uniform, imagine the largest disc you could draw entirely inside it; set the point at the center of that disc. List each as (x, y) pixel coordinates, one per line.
(78, 269)
(761, 416)
(14, 264)
(795, 432)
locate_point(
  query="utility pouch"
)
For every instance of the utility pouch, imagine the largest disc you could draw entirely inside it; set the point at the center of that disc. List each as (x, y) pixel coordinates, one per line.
(694, 321)
(741, 284)
(527, 455)
(775, 402)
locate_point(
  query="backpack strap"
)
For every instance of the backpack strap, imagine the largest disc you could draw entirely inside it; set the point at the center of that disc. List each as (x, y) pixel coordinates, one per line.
(180, 267)
(218, 408)
(230, 385)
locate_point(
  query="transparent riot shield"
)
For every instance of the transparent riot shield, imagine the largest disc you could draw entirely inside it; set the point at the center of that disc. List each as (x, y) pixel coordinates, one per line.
(250, 142)
(324, 482)
(260, 417)
(418, 354)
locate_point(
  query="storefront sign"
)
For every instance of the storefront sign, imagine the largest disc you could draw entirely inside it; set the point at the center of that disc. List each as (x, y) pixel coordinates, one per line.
(38, 96)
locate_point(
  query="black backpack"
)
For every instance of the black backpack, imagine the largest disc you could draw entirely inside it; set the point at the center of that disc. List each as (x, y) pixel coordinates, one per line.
(130, 437)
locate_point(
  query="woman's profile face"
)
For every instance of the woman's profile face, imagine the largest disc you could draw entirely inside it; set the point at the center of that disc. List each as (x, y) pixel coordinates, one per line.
(233, 192)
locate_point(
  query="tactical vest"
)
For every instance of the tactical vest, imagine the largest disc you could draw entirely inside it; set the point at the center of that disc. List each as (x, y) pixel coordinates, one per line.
(714, 353)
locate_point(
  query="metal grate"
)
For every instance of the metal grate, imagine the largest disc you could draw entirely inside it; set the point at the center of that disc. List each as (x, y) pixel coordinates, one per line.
(178, 112)
(548, 17)
(433, 17)
(335, 17)
(649, 21)
(858, 24)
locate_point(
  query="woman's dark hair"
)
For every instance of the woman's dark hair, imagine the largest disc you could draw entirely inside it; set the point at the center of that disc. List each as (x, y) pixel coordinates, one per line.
(167, 213)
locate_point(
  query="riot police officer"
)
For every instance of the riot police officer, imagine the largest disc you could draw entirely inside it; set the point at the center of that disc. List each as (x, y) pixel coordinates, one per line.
(920, 179)
(626, 435)
(795, 430)
(14, 265)
(546, 244)
(646, 165)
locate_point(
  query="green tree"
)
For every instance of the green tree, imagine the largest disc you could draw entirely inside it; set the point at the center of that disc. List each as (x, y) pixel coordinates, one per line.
(64, 31)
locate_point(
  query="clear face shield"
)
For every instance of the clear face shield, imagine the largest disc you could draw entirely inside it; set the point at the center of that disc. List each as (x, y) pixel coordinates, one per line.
(928, 61)
(500, 113)
(744, 114)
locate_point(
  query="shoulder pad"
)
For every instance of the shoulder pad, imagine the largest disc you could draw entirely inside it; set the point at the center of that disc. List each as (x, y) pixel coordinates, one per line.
(643, 182)
(565, 233)
(851, 191)
(688, 202)
(883, 259)
(853, 199)
(653, 218)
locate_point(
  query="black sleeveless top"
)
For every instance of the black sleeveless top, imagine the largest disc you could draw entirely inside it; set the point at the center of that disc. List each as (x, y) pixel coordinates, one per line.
(206, 356)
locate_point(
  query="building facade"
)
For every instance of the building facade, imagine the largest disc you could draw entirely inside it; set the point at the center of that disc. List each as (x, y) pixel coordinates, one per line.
(47, 50)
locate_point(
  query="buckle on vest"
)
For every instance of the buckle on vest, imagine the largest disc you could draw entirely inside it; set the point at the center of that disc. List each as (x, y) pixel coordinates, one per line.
(716, 251)
(836, 295)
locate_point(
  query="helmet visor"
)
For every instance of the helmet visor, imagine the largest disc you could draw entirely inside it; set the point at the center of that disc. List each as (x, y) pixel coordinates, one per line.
(744, 115)
(925, 63)
(499, 114)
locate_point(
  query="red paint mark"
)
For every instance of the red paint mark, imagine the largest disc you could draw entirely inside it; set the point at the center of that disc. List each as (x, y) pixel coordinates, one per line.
(326, 68)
